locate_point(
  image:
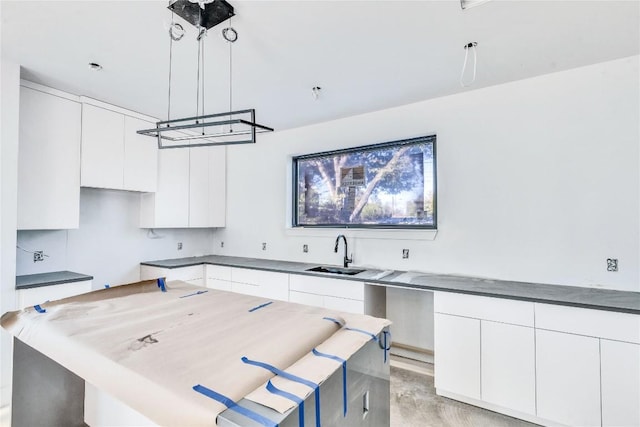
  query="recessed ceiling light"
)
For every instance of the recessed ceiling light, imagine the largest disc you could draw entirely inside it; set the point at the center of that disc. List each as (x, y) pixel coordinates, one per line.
(95, 66)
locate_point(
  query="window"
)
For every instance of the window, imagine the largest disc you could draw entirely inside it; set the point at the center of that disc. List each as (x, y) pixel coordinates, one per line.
(390, 185)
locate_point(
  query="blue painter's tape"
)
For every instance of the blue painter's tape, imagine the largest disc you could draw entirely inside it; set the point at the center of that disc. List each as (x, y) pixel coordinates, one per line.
(162, 284)
(345, 402)
(331, 319)
(195, 293)
(107, 286)
(234, 406)
(292, 397)
(387, 344)
(40, 309)
(362, 331)
(291, 377)
(260, 306)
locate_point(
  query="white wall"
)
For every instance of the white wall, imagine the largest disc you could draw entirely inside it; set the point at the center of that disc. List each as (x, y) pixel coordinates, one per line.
(9, 105)
(537, 181)
(109, 244)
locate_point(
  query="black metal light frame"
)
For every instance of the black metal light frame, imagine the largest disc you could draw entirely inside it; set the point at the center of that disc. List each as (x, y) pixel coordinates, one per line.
(170, 133)
(227, 128)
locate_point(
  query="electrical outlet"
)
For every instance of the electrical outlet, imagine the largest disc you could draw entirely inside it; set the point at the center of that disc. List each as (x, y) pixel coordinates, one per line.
(179, 246)
(222, 244)
(405, 253)
(264, 246)
(305, 248)
(612, 264)
(38, 256)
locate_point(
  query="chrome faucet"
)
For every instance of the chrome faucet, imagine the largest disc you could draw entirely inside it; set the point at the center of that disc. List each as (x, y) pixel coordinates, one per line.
(347, 260)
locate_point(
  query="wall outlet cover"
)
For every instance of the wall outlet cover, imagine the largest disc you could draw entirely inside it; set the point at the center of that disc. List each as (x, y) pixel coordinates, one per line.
(405, 253)
(305, 248)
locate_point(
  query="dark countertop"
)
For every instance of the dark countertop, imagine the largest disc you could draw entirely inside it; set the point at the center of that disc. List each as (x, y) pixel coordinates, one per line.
(48, 279)
(575, 296)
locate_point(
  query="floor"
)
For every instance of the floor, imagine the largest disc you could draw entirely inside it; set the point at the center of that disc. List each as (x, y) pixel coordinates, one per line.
(414, 403)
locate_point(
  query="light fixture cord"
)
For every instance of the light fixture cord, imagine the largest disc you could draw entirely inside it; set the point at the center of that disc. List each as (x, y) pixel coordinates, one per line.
(230, 80)
(170, 61)
(464, 66)
(203, 74)
(198, 82)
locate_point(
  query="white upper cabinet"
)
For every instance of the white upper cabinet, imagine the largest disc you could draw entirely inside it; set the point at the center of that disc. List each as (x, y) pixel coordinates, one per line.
(191, 190)
(102, 148)
(140, 157)
(168, 207)
(48, 159)
(114, 156)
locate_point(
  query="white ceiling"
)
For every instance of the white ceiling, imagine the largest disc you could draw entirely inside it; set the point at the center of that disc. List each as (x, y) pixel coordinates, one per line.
(366, 55)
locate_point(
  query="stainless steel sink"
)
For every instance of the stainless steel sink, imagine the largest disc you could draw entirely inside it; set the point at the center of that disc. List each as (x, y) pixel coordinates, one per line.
(335, 270)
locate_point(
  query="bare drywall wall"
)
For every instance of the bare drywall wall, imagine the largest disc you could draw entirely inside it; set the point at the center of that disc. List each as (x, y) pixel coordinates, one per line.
(537, 181)
(109, 244)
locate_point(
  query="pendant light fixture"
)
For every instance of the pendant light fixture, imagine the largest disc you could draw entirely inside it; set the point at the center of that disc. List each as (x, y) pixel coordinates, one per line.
(226, 128)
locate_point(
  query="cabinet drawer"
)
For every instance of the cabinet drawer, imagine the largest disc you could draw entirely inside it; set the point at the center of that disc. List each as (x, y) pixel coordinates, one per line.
(246, 289)
(148, 272)
(255, 277)
(187, 274)
(350, 289)
(222, 285)
(486, 308)
(344, 304)
(218, 272)
(33, 296)
(306, 299)
(593, 323)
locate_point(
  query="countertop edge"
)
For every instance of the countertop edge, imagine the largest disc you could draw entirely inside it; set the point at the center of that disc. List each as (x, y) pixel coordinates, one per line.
(301, 266)
(73, 277)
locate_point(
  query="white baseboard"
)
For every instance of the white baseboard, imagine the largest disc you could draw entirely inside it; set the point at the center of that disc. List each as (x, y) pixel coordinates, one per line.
(495, 408)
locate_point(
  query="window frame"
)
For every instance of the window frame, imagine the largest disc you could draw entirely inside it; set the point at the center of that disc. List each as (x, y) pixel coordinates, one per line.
(371, 147)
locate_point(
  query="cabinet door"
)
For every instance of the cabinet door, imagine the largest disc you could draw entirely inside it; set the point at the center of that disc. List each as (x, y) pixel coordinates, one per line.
(620, 367)
(48, 162)
(568, 378)
(246, 289)
(102, 161)
(198, 187)
(306, 299)
(217, 198)
(344, 304)
(148, 272)
(33, 296)
(271, 284)
(223, 285)
(140, 157)
(171, 200)
(457, 355)
(508, 374)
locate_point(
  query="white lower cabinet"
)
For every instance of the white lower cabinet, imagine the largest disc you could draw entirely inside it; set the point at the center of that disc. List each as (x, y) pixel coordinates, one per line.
(620, 376)
(191, 274)
(508, 371)
(549, 364)
(260, 283)
(334, 294)
(32, 296)
(218, 277)
(568, 378)
(457, 355)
